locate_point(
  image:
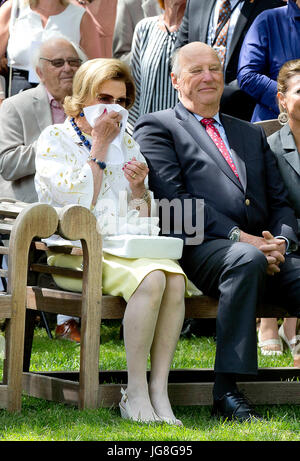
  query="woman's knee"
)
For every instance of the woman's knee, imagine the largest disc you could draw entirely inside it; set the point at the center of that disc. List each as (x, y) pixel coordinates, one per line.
(154, 285)
(175, 286)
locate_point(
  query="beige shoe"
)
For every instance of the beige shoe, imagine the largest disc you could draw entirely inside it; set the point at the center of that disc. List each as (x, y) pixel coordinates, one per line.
(293, 343)
(126, 412)
(171, 421)
(267, 346)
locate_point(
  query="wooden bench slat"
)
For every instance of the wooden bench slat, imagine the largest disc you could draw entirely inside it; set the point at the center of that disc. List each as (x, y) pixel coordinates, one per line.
(43, 268)
(59, 249)
(5, 228)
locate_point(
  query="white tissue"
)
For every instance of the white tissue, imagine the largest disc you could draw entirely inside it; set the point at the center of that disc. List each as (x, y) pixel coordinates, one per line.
(115, 153)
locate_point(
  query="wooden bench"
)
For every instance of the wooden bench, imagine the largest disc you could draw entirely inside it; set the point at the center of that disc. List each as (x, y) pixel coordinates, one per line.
(90, 388)
(23, 224)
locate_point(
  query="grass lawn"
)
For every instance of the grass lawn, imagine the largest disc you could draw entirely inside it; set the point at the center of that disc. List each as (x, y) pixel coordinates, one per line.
(47, 421)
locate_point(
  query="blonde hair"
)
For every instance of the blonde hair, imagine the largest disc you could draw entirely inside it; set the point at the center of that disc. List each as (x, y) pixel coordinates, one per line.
(35, 3)
(161, 3)
(287, 71)
(90, 76)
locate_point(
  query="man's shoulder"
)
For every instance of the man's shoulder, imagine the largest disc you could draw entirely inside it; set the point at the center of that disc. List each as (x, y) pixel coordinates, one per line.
(18, 100)
(239, 123)
(159, 116)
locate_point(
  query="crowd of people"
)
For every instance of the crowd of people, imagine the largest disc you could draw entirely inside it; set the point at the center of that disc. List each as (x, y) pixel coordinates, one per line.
(107, 101)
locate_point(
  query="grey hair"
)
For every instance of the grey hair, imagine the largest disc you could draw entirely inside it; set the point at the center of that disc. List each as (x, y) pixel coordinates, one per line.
(39, 52)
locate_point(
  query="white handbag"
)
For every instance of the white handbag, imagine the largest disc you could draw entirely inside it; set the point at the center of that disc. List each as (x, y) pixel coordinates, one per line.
(143, 246)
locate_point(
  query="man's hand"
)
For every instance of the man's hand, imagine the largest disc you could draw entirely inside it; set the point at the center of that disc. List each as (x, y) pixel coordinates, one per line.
(273, 249)
(276, 256)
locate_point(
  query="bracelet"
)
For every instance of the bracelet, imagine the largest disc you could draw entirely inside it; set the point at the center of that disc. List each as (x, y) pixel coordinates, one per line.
(102, 165)
(137, 202)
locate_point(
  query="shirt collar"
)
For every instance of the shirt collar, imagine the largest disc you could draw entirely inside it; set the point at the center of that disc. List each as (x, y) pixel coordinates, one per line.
(216, 117)
(53, 102)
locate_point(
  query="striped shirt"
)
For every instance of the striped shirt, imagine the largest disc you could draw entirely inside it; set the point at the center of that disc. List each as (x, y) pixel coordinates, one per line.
(152, 49)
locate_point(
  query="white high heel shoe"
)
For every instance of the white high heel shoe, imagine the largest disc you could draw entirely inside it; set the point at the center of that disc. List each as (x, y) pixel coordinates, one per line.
(270, 342)
(293, 343)
(126, 412)
(171, 421)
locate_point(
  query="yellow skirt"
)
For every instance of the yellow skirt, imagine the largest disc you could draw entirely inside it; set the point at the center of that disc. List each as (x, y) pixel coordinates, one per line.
(120, 276)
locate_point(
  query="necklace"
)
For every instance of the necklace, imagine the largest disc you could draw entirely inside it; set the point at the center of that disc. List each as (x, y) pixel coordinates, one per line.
(86, 143)
(81, 136)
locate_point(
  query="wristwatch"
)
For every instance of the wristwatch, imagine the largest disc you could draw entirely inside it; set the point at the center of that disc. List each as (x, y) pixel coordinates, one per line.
(234, 235)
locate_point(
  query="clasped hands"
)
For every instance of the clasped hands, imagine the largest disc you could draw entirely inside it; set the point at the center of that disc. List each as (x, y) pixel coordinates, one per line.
(272, 247)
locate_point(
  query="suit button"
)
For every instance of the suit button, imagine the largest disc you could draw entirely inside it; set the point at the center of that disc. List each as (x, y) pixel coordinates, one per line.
(247, 202)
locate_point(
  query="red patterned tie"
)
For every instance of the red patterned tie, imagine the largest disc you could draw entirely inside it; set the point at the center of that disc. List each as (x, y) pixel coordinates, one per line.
(213, 132)
(224, 13)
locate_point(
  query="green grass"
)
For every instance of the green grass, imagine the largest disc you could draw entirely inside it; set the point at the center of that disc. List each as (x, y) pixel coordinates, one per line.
(48, 421)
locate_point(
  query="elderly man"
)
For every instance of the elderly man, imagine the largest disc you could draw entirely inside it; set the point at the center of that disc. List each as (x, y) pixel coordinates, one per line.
(223, 24)
(22, 119)
(25, 115)
(194, 152)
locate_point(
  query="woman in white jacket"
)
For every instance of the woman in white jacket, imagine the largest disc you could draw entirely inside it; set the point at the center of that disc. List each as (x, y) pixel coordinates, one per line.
(88, 160)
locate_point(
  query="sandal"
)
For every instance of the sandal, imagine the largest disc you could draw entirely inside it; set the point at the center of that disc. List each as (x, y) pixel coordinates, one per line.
(293, 343)
(126, 412)
(270, 342)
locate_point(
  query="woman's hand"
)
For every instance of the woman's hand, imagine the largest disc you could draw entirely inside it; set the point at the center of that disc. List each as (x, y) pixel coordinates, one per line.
(106, 128)
(135, 172)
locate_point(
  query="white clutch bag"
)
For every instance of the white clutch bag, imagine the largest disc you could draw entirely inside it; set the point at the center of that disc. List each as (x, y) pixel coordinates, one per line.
(143, 246)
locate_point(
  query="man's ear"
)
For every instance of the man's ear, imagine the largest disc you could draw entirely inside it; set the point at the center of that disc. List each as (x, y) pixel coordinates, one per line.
(174, 81)
(39, 73)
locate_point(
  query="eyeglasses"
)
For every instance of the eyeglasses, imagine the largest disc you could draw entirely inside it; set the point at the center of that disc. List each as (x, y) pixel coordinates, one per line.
(108, 99)
(60, 62)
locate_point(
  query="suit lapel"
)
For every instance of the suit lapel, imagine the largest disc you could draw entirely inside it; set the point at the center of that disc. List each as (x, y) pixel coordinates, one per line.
(290, 150)
(237, 148)
(204, 19)
(189, 122)
(41, 107)
(246, 12)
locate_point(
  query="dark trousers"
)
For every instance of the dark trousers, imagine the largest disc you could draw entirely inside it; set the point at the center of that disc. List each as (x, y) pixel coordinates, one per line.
(236, 274)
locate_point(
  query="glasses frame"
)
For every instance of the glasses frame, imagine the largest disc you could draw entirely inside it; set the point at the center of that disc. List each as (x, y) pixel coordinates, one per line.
(62, 59)
(114, 100)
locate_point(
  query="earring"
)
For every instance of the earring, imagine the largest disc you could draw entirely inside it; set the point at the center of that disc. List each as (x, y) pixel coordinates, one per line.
(283, 118)
(81, 114)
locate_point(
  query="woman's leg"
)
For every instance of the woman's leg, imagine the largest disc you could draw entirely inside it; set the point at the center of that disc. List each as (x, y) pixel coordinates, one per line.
(167, 332)
(290, 327)
(268, 330)
(139, 326)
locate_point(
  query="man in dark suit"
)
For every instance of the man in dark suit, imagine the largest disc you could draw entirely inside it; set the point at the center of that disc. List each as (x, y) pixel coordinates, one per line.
(200, 23)
(248, 222)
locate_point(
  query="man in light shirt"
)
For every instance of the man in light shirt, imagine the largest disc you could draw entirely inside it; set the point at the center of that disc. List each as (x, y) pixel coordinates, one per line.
(24, 116)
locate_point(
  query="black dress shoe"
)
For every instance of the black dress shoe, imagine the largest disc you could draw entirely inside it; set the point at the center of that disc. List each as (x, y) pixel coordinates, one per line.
(233, 405)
